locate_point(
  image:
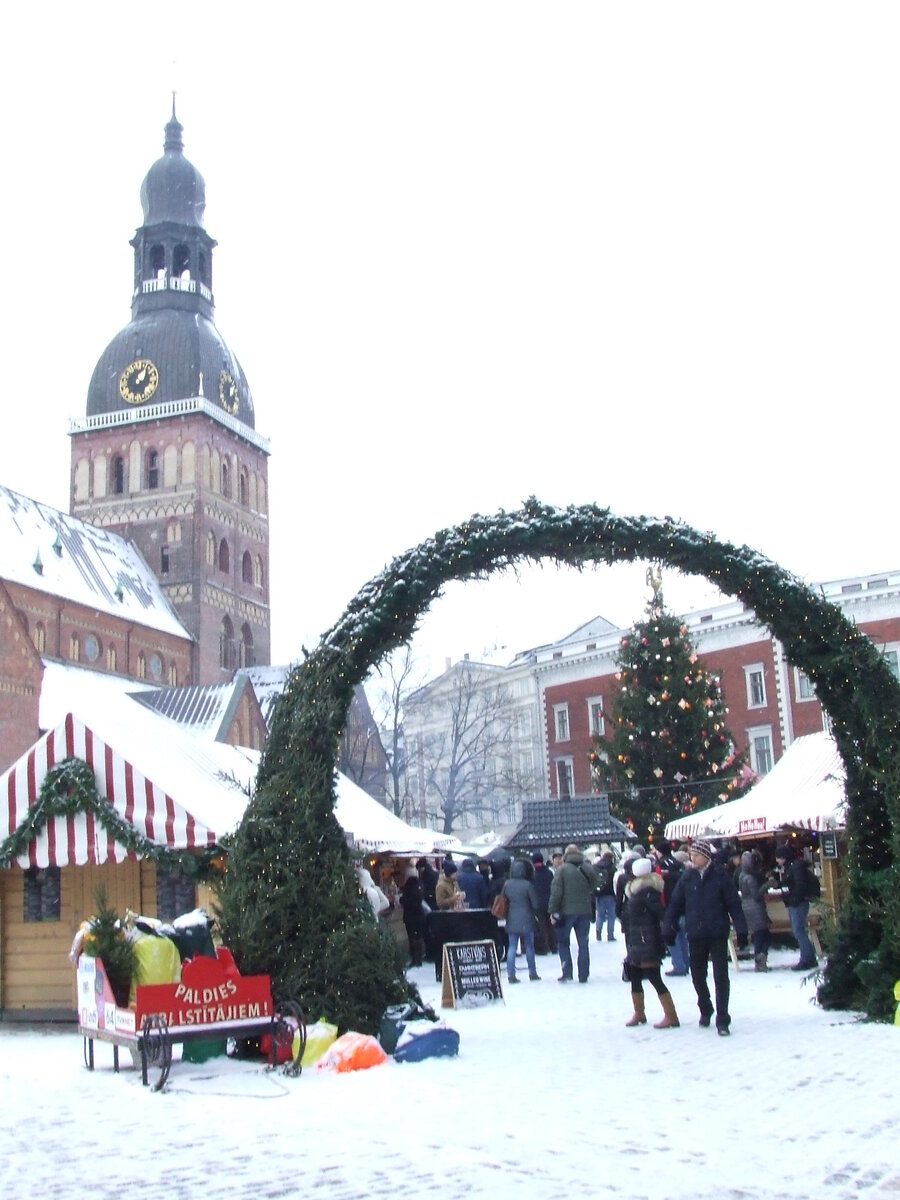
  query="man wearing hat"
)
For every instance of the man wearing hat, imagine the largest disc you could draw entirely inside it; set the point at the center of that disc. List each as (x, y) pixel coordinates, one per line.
(447, 889)
(706, 897)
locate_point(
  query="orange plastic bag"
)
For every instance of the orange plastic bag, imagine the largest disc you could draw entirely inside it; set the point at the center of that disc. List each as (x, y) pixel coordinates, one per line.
(352, 1052)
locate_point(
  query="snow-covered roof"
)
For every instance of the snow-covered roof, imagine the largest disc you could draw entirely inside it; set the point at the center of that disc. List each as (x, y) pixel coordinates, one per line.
(45, 549)
(268, 683)
(210, 778)
(805, 788)
(374, 829)
(207, 707)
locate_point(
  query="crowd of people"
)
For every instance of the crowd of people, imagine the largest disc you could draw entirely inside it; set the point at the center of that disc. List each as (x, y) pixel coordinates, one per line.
(679, 903)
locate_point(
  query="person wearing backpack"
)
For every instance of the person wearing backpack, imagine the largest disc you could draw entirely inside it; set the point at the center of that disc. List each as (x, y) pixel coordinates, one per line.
(797, 885)
(605, 896)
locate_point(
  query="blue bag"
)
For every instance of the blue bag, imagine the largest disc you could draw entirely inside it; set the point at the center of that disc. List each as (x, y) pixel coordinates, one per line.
(437, 1041)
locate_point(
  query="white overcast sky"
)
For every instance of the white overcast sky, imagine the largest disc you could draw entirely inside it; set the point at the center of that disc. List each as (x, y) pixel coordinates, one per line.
(639, 254)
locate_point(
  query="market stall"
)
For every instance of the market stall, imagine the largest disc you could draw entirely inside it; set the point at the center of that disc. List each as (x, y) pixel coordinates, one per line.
(801, 800)
(805, 790)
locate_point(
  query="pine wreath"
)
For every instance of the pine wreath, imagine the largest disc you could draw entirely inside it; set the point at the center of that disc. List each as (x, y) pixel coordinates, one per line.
(852, 682)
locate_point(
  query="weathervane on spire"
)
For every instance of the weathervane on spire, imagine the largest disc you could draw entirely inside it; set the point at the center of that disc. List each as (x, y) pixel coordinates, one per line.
(654, 579)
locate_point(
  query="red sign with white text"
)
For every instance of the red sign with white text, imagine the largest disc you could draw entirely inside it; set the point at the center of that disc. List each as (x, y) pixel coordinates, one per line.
(210, 992)
(752, 825)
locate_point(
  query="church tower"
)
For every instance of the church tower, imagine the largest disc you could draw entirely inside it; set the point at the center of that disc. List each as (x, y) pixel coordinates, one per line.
(167, 454)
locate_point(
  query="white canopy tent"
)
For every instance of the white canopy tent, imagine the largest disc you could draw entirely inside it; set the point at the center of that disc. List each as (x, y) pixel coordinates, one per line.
(374, 829)
(805, 789)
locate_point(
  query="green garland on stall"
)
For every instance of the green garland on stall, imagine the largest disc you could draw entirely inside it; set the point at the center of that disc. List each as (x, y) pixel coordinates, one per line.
(69, 789)
(853, 683)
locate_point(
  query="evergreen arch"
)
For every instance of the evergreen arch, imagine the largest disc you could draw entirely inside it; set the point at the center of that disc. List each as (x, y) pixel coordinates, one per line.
(296, 779)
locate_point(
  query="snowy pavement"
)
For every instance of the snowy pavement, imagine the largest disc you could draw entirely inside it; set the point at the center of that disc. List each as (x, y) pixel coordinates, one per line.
(550, 1094)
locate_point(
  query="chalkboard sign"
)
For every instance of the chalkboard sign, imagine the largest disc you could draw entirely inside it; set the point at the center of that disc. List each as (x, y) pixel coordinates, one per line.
(829, 843)
(471, 974)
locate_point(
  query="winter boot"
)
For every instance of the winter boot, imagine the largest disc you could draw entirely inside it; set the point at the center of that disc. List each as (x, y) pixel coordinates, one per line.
(760, 963)
(670, 1019)
(638, 1017)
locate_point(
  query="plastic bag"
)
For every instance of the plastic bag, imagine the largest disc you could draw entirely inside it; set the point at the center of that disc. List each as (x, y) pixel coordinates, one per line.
(431, 1041)
(318, 1038)
(352, 1052)
(156, 961)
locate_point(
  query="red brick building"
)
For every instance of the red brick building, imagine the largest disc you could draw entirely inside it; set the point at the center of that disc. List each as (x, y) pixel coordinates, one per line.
(770, 702)
(71, 592)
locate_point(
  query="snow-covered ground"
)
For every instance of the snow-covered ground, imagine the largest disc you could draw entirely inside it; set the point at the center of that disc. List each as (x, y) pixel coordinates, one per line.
(550, 1095)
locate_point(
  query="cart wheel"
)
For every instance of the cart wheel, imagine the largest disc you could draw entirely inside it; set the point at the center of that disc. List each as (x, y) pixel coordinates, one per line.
(289, 1022)
(89, 1053)
(157, 1047)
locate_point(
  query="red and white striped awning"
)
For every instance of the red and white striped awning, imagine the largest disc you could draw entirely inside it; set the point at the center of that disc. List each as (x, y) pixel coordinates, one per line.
(76, 840)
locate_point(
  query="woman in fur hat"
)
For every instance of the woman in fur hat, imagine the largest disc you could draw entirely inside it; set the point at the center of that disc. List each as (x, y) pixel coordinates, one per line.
(641, 923)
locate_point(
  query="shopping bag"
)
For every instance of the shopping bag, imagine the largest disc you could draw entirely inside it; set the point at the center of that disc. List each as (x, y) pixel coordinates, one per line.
(432, 1041)
(352, 1052)
(318, 1038)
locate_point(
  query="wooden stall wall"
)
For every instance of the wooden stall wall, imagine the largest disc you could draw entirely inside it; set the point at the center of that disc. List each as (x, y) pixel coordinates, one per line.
(37, 981)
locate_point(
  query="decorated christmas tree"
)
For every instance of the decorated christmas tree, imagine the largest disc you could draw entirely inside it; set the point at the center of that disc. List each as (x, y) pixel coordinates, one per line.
(668, 749)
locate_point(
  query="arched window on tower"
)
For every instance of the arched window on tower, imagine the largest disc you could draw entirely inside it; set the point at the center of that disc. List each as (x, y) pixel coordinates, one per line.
(226, 645)
(173, 675)
(226, 479)
(181, 262)
(118, 480)
(224, 556)
(158, 262)
(258, 577)
(210, 550)
(152, 469)
(247, 659)
(244, 487)
(246, 567)
(141, 666)
(74, 647)
(39, 637)
(111, 658)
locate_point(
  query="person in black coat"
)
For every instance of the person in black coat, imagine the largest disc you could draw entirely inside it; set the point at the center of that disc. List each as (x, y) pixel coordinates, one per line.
(428, 878)
(707, 897)
(415, 918)
(545, 939)
(499, 875)
(641, 917)
(472, 882)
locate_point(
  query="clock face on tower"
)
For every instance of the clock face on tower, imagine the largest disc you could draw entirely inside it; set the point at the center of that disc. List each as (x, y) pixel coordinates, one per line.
(138, 381)
(228, 392)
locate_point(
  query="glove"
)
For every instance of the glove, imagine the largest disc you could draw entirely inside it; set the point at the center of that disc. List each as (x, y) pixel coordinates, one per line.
(742, 941)
(555, 918)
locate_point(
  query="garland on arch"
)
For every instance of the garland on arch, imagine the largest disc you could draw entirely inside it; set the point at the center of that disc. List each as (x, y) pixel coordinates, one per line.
(853, 684)
(70, 788)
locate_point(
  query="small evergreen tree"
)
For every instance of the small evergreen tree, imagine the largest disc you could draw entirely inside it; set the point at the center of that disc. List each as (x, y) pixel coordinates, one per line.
(106, 940)
(668, 749)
